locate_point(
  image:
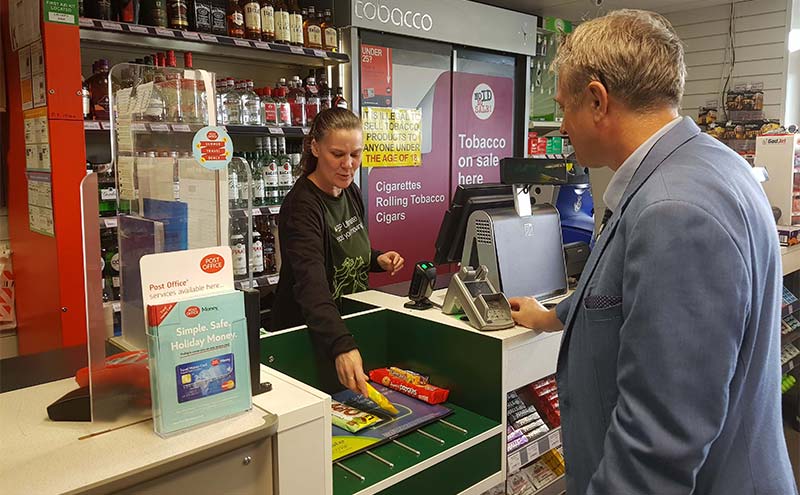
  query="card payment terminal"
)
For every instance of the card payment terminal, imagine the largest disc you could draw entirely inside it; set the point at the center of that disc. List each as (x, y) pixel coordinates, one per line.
(472, 291)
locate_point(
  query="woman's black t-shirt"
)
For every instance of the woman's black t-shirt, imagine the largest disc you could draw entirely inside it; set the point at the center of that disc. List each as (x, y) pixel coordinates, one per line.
(325, 254)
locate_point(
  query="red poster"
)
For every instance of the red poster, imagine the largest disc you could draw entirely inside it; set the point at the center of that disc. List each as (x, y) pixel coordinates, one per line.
(483, 127)
(376, 76)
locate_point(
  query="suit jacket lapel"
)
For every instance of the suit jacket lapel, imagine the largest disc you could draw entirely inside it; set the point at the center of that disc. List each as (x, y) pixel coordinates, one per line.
(664, 147)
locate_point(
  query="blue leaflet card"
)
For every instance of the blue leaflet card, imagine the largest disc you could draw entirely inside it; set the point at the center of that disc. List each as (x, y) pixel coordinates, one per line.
(205, 377)
(199, 363)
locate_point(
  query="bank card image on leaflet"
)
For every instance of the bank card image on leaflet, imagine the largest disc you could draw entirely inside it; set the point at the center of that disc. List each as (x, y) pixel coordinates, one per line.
(205, 377)
(412, 414)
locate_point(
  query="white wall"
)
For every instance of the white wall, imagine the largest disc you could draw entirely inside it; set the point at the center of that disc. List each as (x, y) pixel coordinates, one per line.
(760, 31)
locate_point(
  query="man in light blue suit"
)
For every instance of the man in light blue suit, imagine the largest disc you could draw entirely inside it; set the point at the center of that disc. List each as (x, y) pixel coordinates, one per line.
(669, 370)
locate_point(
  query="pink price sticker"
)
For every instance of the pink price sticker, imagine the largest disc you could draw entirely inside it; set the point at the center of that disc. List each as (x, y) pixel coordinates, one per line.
(86, 22)
(190, 35)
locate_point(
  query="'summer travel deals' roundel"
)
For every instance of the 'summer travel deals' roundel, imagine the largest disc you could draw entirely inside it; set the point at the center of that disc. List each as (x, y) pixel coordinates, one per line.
(212, 147)
(483, 101)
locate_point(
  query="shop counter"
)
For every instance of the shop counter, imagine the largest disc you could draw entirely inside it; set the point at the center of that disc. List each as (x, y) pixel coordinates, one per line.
(528, 355)
(41, 456)
(478, 368)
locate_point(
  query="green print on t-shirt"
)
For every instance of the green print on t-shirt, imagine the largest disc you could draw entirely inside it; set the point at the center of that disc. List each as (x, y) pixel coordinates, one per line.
(350, 277)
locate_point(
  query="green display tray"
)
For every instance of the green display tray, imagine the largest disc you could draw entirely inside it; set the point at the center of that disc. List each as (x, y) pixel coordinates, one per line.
(452, 475)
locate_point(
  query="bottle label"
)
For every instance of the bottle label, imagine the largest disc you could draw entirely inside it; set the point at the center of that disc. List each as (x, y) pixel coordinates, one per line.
(271, 113)
(268, 19)
(296, 27)
(252, 16)
(299, 112)
(233, 186)
(331, 41)
(233, 112)
(282, 26)
(312, 109)
(257, 257)
(271, 176)
(285, 174)
(218, 21)
(115, 262)
(244, 193)
(239, 251)
(178, 14)
(314, 36)
(237, 19)
(252, 112)
(259, 189)
(108, 194)
(285, 114)
(202, 16)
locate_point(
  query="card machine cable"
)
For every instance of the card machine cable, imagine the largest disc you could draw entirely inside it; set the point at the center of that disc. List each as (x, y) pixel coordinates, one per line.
(471, 290)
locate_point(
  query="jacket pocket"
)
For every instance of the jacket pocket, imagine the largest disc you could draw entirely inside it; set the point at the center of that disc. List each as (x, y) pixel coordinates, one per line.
(603, 327)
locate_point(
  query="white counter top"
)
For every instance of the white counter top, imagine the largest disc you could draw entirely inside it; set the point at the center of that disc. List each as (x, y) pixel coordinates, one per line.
(395, 303)
(42, 456)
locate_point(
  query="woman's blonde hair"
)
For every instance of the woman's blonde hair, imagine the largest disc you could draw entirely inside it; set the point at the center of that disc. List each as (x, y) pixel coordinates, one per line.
(635, 54)
(332, 119)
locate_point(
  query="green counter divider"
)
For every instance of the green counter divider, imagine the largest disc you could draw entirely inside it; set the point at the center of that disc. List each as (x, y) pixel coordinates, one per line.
(469, 364)
(486, 463)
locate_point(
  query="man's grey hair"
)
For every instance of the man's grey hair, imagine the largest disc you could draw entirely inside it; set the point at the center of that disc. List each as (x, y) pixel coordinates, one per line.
(635, 54)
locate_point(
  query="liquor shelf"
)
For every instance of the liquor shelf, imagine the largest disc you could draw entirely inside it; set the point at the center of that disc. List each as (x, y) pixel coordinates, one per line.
(253, 130)
(260, 281)
(258, 210)
(136, 35)
(533, 450)
(259, 130)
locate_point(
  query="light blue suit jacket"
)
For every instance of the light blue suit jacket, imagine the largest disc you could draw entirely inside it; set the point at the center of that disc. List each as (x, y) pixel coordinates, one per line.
(669, 370)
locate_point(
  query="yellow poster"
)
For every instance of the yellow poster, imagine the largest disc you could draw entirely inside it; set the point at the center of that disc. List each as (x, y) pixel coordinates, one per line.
(392, 137)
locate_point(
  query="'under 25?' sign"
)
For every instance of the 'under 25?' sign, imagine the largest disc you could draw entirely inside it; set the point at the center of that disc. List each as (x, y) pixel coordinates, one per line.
(392, 137)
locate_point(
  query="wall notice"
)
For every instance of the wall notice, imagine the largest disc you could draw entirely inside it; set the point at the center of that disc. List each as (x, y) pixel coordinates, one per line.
(376, 76)
(392, 137)
(483, 127)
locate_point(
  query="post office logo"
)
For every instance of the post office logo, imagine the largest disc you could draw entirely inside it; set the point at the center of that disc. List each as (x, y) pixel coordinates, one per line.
(483, 101)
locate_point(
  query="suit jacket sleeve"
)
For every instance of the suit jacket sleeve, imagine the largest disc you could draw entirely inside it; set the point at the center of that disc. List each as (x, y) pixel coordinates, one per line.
(563, 307)
(302, 237)
(686, 293)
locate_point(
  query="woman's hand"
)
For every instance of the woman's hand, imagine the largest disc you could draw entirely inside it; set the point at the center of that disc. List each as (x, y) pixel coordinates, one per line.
(351, 371)
(530, 313)
(391, 262)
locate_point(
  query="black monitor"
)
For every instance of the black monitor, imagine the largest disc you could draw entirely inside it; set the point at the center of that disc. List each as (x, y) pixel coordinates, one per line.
(468, 198)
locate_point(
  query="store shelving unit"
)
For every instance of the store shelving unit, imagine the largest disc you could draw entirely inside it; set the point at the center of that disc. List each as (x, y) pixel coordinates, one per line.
(139, 36)
(253, 130)
(533, 450)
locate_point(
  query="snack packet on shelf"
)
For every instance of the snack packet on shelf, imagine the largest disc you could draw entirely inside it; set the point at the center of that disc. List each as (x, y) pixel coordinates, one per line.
(426, 393)
(351, 419)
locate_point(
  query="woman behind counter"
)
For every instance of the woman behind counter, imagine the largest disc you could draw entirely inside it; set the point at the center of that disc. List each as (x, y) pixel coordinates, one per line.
(325, 249)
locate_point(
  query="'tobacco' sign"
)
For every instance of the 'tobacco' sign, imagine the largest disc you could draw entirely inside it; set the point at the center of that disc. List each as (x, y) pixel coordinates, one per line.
(375, 10)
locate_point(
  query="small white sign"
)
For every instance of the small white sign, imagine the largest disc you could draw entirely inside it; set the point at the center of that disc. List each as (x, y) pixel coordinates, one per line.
(181, 275)
(297, 49)
(208, 37)
(320, 53)
(239, 42)
(114, 26)
(165, 32)
(262, 45)
(190, 35)
(135, 28)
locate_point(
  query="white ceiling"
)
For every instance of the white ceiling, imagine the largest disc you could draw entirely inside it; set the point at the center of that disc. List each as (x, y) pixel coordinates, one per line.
(576, 10)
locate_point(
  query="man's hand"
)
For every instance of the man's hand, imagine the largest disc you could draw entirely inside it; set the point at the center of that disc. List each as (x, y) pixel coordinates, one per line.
(391, 262)
(530, 313)
(350, 370)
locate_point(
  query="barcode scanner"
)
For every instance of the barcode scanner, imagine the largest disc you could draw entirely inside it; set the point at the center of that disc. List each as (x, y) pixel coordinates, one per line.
(421, 287)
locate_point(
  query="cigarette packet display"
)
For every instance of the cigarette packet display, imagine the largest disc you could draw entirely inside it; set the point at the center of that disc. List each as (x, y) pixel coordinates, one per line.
(514, 434)
(532, 418)
(516, 443)
(428, 393)
(532, 426)
(537, 432)
(521, 414)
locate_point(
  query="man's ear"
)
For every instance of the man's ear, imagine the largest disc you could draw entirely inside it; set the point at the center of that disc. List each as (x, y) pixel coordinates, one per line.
(598, 100)
(315, 148)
